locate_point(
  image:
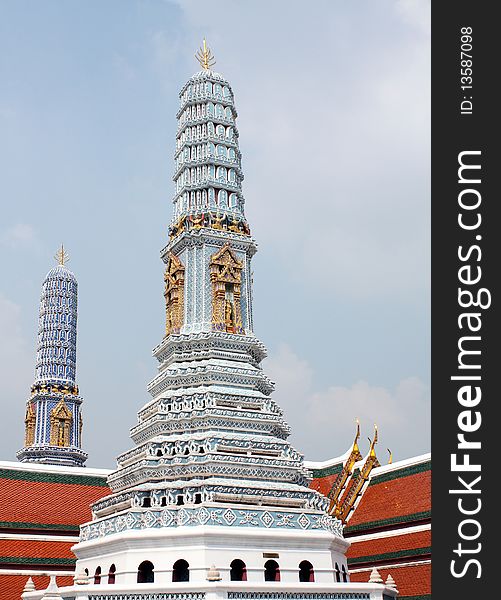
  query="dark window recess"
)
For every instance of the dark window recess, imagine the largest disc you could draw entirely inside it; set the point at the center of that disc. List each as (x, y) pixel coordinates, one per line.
(145, 572)
(238, 570)
(181, 570)
(271, 571)
(111, 574)
(306, 573)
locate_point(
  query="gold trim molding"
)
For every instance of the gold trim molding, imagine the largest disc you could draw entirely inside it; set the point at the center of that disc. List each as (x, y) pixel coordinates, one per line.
(226, 279)
(174, 295)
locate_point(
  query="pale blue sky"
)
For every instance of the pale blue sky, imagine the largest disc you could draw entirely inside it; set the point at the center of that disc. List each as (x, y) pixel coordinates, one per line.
(333, 102)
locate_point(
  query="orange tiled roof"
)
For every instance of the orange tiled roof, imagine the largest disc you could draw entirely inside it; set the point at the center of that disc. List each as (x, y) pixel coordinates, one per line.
(11, 586)
(36, 549)
(39, 498)
(386, 549)
(411, 580)
(388, 501)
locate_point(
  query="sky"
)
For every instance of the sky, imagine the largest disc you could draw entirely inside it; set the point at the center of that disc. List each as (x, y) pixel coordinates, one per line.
(334, 122)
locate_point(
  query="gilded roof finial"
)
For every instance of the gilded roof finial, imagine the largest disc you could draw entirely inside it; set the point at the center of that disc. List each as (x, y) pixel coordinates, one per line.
(390, 457)
(62, 256)
(205, 57)
(373, 442)
(357, 436)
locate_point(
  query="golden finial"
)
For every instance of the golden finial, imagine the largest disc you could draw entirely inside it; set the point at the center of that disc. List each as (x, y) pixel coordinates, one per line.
(205, 57)
(390, 458)
(357, 436)
(373, 442)
(62, 256)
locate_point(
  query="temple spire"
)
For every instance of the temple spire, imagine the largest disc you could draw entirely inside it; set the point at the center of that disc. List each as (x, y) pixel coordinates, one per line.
(53, 413)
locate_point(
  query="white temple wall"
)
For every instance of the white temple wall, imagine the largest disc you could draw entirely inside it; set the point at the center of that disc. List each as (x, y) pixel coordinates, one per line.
(204, 548)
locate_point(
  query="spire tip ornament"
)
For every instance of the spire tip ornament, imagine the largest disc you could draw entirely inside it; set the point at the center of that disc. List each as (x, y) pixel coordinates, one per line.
(205, 57)
(62, 256)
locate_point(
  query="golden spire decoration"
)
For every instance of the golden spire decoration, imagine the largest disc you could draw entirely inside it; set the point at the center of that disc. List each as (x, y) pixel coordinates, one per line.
(390, 457)
(62, 256)
(373, 442)
(357, 437)
(205, 57)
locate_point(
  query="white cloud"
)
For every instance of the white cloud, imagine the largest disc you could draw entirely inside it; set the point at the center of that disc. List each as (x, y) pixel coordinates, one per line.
(323, 422)
(16, 364)
(416, 13)
(21, 235)
(334, 134)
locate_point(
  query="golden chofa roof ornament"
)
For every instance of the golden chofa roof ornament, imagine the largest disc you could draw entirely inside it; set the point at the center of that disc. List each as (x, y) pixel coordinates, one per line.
(373, 442)
(205, 57)
(62, 256)
(357, 437)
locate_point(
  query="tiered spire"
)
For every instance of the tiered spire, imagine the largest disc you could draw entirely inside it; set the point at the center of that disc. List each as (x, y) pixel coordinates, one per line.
(53, 417)
(211, 450)
(208, 172)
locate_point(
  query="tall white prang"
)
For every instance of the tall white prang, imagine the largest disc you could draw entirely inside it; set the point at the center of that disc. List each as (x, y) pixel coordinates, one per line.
(212, 501)
(53, 422)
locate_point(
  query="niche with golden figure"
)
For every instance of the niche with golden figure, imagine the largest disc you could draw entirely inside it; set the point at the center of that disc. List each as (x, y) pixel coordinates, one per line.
(174, 295)
(60, 425)
(30, 422)
(226, 279)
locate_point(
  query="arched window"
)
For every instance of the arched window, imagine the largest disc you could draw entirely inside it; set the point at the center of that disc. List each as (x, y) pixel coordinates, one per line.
(306, 572)
(111, 574)
(210, 109)
(221, 174)
(145, 572)
(220, 130)
(181, 570)
(337, 573)
(345, 574)
(97, 575)
(238, 571)
(271, 571)
(222, 198)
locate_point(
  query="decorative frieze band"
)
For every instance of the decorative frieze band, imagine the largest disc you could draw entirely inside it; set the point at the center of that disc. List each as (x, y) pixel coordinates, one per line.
(193, 517)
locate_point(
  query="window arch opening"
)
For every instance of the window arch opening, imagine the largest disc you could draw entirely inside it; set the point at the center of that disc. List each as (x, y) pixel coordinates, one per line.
(337, 573)
(111, 574)
(181, 570)
(306, 573)
(145, 573)
(238, 570)
(97, 575)
(345, 574)
(271, 571)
